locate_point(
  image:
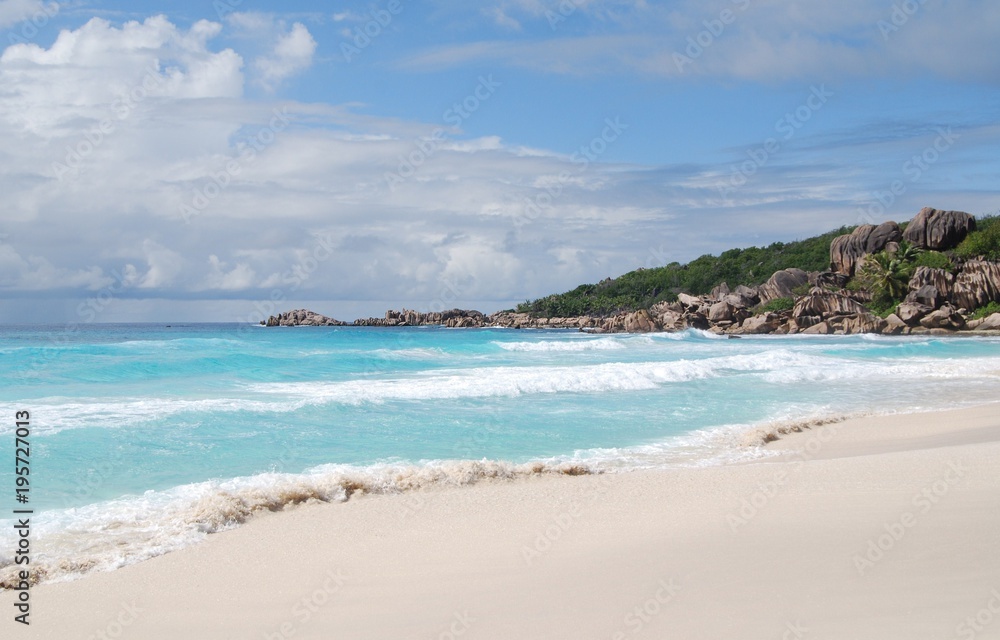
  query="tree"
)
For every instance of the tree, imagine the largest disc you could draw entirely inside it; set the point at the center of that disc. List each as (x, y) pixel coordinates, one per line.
(887, 275)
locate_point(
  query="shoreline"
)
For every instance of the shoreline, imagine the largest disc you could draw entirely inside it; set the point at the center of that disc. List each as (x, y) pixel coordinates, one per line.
(743, 549)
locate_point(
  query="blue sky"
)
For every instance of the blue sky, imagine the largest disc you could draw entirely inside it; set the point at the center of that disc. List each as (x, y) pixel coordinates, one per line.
(219, 161)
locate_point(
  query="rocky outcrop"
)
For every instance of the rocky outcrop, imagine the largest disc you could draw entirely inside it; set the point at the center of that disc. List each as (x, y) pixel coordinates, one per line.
(456, 318)
(941, 280)
(825, 304)
(991, 323)
(939, 230)
(302, 318)
(847, 250)
(782, 284)
(976, 285)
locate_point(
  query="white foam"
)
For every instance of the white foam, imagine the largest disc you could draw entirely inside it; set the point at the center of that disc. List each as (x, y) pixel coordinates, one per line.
(596, 344)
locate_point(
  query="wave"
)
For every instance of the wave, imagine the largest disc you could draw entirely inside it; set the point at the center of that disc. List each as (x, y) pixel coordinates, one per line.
(597, 344)
(109, 535)
(775, 367)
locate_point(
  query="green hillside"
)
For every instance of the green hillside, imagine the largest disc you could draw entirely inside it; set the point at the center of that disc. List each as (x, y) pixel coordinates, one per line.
(644, 287)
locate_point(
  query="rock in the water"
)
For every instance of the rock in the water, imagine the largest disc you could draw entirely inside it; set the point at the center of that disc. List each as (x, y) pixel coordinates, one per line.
(640, 322)
(939, 230)
(977, 285)
(863, 323)
(764, 323)
(303, 318)
(847, 250)
(781, 284)
(821, 328)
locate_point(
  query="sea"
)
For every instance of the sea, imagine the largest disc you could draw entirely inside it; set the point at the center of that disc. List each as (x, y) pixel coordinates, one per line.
(147, 438)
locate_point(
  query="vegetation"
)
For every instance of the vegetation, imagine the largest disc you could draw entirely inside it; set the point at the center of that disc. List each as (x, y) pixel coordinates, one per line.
(778, 304)
(984, 242)
(987, 311)
(886, 275)
(644, 287)
(934, 260)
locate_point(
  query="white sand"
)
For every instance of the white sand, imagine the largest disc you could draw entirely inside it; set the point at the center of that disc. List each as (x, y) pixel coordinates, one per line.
(667, 554)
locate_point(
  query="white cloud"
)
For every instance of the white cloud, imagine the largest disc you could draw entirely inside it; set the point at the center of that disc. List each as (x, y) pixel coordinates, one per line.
(300, 204)
(292, 54)
(760, 40)
(37, 273)
(13, 12)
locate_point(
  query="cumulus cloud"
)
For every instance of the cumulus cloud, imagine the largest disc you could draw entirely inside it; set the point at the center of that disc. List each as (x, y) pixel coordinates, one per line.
(292, 54)
(112, 133)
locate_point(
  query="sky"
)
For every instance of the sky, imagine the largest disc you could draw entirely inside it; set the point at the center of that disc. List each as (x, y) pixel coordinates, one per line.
(225, 160)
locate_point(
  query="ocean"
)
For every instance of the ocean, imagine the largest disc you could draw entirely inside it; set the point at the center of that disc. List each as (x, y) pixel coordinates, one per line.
(147, 438)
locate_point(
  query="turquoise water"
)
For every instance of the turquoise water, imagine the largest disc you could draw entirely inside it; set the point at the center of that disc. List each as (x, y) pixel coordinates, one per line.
(145, 438)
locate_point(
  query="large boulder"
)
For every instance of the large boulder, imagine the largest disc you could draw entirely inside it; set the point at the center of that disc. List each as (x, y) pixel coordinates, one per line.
(764, 323)
(939, 279)
(781, 284)
(847, 250)
(927, 295)
(640, 322)
(863, 323)
(939, 230)
(991, 323)
(912, 312)
(943, 318)
(826, 304)
(720, 312)
(719, 292)
(977, 285)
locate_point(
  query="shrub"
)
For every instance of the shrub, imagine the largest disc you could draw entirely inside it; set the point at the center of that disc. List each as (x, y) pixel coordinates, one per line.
(934, 260)
(984, 242)
(987, 311)
(778, 304)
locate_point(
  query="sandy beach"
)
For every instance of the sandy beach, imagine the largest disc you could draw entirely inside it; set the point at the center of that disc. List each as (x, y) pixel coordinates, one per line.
(880, 527)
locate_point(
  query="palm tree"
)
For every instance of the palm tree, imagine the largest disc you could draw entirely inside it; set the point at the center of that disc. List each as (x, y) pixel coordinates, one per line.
(887, 275)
